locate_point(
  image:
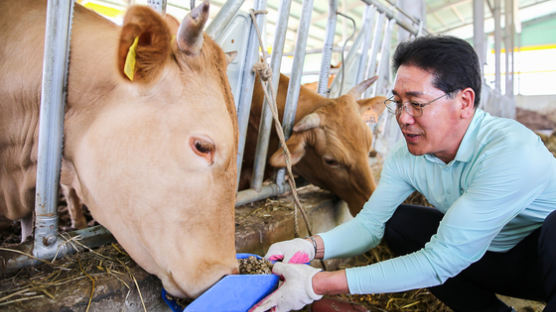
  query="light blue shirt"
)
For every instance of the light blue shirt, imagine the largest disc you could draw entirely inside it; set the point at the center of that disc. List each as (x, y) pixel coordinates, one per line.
(499, 188)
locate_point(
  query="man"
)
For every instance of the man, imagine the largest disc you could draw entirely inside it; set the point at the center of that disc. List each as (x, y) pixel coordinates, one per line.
(491, 181)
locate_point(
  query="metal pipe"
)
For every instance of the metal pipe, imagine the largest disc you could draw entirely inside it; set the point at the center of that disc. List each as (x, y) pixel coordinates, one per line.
(91, 237)
(377, 39)
(384, 10)
(247, 83)
(403, 12)
(497, 47)
(347, 60)
(248, 196)
(384, 57)
(51, 125)
(223, 17)
(295, 80)
(322, 88)
(315, 51)
(366, 28)
(266, 117)
(158, 5)
(479, 30)
(508, 46)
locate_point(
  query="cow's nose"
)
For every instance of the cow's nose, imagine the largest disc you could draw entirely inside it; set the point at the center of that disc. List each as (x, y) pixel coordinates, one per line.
(203, 147)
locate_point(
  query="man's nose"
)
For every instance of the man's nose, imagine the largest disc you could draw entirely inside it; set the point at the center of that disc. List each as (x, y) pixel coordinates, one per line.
(404, 117)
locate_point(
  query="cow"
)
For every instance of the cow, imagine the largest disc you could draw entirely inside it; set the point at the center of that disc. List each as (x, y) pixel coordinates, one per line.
(150, 135)
(330, 142)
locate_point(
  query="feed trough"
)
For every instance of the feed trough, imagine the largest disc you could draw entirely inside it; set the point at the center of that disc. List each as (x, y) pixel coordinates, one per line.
(233, 293)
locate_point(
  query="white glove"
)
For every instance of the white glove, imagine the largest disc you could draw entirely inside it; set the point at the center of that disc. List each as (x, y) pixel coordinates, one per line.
(297, 250)
(294, 293)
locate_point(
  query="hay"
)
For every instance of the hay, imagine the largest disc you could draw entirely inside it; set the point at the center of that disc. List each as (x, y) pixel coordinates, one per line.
(549, 141)
(46, 280)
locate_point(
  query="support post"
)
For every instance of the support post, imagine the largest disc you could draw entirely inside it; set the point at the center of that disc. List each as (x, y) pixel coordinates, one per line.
(479, 31)
(327, 48)
(266, 117)
(51, 125)
(295, 80)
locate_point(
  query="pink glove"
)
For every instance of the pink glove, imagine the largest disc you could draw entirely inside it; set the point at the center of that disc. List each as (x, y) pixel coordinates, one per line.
(296, 250)
(295, 292)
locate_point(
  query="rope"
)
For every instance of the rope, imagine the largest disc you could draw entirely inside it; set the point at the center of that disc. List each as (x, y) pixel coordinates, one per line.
(265, 76)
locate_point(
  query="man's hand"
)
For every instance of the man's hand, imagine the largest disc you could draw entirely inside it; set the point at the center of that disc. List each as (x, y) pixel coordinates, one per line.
(297, 250)
(294, 292)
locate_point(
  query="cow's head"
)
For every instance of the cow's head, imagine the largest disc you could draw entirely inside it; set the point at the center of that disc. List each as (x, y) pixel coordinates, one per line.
(330, 146)
(157, 161)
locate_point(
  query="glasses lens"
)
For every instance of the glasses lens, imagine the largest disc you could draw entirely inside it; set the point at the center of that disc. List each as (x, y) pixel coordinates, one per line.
(391, 106)
(415, 111)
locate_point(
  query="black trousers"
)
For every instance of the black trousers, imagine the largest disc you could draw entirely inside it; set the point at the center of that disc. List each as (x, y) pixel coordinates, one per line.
(527, 271)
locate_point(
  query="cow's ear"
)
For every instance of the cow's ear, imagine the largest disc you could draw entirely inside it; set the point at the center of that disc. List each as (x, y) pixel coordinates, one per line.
(144, 44)
(371, 108)
(230, 56)
(296, 145)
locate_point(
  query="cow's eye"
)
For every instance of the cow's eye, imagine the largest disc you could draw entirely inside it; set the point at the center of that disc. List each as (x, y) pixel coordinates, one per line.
(331, 162)
(203, 147)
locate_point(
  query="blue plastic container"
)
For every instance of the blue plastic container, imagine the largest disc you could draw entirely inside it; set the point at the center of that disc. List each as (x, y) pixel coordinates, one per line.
(233, 293)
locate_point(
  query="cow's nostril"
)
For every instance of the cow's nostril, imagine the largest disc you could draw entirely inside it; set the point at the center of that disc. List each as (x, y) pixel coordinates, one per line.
(203, 147)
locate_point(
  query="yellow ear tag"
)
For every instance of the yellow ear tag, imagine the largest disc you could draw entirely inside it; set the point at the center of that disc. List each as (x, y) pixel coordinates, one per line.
(129, 66)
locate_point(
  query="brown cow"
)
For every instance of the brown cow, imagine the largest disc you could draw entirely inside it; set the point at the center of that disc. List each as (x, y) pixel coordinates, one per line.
(330, 142)
(152, 157)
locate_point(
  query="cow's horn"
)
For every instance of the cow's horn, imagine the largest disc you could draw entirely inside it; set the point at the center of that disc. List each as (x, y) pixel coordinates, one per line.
(361, 87)
(308, 122)
(190, 33)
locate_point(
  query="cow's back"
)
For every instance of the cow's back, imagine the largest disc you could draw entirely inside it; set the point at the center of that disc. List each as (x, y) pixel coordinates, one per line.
(21, 54)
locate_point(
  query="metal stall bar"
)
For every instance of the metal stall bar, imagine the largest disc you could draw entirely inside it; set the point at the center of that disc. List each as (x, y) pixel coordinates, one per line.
(366, 28)
(91, 237)
(223, 17)
(497, 47)
(377, 39)
(327, 48)
(384, 57)
(351, 54)
(295, 80)
(266, 117)
(51, 125)
(384, 10)
(509, 47)
(479, 31)
(246, 93)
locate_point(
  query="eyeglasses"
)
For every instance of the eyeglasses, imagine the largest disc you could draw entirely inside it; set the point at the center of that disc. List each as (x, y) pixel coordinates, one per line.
(412, 108)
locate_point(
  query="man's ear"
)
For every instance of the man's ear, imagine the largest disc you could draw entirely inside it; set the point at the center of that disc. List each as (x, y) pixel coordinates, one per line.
(296, 145)
(371, 108)
(467, 103)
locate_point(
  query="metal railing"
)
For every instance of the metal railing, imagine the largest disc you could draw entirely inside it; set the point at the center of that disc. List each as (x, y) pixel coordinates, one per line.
(55, 78)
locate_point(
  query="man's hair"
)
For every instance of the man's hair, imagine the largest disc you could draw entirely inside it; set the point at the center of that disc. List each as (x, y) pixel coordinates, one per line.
(451, 60)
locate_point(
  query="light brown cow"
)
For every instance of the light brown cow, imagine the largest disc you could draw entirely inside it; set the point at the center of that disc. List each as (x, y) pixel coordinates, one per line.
(330, 142)
(153, 158)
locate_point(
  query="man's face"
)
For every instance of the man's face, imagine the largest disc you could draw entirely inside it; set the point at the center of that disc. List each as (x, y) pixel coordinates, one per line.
(436, 130)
